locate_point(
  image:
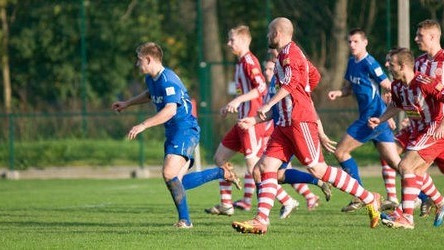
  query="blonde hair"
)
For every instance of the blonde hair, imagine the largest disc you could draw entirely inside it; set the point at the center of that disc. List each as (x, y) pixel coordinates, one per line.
(429, 24)
(241, 30)
(150, 49)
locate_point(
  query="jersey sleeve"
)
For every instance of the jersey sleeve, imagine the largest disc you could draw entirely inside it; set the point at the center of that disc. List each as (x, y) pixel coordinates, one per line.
(254, 74)
(171, 93)
(295, 71)
(375, 72)
(314, 77)
(435, 89)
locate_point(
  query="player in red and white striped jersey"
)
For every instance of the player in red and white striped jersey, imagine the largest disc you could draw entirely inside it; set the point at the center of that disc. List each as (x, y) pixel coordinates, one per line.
(296, 132)
(421, 97)
(431, 63)
(250, 87)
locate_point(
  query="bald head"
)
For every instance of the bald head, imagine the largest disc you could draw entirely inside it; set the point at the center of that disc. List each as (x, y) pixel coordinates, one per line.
(283, 25)
(280, 33)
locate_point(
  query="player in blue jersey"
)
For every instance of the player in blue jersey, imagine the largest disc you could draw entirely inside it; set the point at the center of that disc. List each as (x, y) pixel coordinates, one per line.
(173, 105)
(364, 78)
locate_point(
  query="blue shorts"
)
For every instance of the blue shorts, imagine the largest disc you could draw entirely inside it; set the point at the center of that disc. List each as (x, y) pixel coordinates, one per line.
(361, 132)
(182, 142)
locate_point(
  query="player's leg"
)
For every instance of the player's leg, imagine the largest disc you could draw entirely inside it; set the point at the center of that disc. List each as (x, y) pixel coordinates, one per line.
(223, 154)
(196, 179)
(171, 168)
(298, 178)
(389, 162)
(267, 194)
(348, 164)
(411, 186)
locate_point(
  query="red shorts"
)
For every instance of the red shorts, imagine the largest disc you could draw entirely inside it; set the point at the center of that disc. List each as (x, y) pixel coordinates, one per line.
(268, 131)
(300, 139)
(248, 142)
(403, 137)
(427, 147)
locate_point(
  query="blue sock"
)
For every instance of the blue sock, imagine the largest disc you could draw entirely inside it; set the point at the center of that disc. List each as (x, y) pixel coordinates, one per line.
(351, 168)
(180, 198)
(293, 176)
(422, 196)
(258, 185)
(195, 179)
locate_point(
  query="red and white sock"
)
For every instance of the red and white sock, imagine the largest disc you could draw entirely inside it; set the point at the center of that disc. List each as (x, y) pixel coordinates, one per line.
(411, 186)
(267, 194)
(389, 176)
(303, 190)
(343, 181)
(249, 188)
(225, 192)
(282, 196)
(430, 190)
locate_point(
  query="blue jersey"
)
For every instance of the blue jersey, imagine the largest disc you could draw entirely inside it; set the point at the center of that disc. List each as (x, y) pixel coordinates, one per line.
(365, 76)
(168, 88)
(271, 92)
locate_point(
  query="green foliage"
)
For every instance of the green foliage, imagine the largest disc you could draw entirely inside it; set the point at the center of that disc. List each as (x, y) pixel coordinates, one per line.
(138, 214)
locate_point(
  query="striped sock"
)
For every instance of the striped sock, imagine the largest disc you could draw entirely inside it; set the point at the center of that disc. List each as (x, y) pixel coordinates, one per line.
(430, 190)
(343, 181)
(225, 192)
(282, 196)
(389, 176)
(303, 190)
(267, 194)
(249, 187)
(411, 186)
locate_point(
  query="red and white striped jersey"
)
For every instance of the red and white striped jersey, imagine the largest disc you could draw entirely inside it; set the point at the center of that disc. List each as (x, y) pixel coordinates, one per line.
(421, 100)
(433, 67)
(248, 76)
(293, 72)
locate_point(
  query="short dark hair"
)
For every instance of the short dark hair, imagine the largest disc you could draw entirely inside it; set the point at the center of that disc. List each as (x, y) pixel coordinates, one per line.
(358, 31)
(150, 49)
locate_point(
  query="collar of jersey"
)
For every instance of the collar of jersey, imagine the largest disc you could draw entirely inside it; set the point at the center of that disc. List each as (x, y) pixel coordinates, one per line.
(158, 75)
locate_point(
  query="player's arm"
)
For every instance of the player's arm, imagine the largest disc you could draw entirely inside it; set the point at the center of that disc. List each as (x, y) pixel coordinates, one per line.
(248, 122)
(345, 91)
(386, 84)
(161, 117)
(391, 111)
(143, 97)
(234, 104)
(263, 112)
(254, 74)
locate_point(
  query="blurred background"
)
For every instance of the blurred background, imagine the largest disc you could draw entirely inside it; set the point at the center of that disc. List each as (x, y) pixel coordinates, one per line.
(65, 62)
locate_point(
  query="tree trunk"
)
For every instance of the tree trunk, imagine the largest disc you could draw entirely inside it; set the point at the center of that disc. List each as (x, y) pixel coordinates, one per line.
(213, 53)
(5, 61)
(340, 52)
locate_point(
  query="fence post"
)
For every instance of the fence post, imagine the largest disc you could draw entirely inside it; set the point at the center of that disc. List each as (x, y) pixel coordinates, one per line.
(141, 143)
(11, 141)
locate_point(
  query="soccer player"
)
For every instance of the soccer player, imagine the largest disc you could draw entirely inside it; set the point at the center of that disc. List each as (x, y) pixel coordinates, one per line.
(431, 63)
(250, 86)
(296, 132)
(421, 97)
(286, 174)
(364, 77)
(173, 105)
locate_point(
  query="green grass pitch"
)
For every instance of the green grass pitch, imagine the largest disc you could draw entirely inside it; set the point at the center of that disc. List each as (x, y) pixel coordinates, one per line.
(138, 214)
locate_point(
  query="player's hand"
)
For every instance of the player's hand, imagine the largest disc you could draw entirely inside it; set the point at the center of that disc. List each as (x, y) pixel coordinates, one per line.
(373, 122)
(232, 106)
(405, 123)
(223, 111)
(119, 106)
(328, 144)
(387, 97)
(135, 131)
(392, 124)
(246, 122)
(439, 132)
(332, 95)
(262, 112)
